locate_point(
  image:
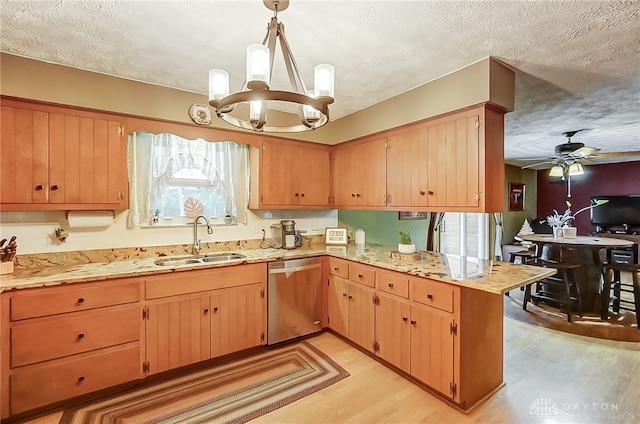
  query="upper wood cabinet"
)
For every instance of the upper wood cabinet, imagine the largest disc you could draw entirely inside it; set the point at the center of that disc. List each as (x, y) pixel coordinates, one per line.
(359, 174)
(58, 159)
(290, 175)
(451, 163)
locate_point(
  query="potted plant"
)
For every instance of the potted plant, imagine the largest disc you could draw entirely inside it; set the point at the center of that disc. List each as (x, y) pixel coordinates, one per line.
(562, 223)
(406, 245)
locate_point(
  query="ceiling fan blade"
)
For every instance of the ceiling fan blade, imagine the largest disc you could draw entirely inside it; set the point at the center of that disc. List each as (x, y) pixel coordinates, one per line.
(533, 165)
(583, 152)
(617, 155)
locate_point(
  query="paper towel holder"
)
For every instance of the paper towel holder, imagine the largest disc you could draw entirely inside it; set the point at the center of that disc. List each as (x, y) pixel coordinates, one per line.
(90, 218)
(66, 213)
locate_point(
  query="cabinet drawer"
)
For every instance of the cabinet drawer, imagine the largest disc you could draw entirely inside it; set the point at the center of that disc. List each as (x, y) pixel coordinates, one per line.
(57, 300)
(393, 283)
(52, 383)
(432, 293)
(55, 338)
(362, 274)
(339, 267)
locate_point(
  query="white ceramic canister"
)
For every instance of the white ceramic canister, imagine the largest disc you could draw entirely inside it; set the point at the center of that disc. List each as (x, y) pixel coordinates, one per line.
(359, 236)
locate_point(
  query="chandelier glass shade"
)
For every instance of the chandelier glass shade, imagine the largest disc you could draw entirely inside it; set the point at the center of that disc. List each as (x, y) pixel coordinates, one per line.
(311, 104)
(556, 171)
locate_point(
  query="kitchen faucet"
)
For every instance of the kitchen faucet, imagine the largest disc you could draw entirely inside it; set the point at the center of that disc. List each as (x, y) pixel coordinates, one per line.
(196, 240)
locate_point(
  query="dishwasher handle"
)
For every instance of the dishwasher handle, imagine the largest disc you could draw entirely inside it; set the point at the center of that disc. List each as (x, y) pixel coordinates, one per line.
(293, 269)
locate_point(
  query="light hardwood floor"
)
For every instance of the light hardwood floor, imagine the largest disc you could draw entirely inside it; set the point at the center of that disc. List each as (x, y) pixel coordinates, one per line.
(550, 376)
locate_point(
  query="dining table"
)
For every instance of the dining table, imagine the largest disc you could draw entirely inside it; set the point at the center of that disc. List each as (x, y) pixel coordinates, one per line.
(584, 251)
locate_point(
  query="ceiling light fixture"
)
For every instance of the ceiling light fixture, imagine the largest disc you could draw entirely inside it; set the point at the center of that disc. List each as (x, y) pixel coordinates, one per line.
(312, 105)
(575, 169)
(556, 171)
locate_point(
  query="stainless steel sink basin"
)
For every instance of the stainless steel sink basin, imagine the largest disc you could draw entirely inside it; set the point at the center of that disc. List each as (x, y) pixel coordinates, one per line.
(201, 260)
(225, 257)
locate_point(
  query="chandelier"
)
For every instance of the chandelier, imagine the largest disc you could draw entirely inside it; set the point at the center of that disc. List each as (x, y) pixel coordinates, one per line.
(312, 105)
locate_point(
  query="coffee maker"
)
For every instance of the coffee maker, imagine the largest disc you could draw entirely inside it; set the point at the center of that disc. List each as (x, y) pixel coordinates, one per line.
(289, 234)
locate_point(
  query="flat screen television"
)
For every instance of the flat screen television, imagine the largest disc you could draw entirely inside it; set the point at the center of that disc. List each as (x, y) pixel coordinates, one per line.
(618, 211)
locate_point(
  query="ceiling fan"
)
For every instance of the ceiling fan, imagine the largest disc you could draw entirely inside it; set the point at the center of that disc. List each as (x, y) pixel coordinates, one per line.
(568, 158)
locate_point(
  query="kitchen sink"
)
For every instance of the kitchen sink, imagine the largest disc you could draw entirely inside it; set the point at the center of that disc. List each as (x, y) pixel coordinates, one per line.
(200, 260)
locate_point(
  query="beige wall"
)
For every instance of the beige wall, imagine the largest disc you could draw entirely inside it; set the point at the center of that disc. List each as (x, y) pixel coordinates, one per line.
(484, 81)
(513, 220)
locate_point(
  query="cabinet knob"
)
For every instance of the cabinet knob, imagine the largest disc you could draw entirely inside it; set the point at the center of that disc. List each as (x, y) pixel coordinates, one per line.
(422, 193)
(430, 296)
(353, 195)
(350, 297)
(357, 194)
(81, 300)
(390, 285)
(336, 269)
(54, 187)
(39, 187)
(215, 309)
(344, 294)
(430, 193)
(414, 322)
(359, 275)
(80, 335)
(404, 319)
(296, 194)
(301, 194)
(81, 379)
(206, 310)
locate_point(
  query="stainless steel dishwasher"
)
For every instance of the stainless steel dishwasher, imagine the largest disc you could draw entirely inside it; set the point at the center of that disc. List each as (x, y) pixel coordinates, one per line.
(294, 299)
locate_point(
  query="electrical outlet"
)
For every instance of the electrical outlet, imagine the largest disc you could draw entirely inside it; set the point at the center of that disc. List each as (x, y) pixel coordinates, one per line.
(314, 225)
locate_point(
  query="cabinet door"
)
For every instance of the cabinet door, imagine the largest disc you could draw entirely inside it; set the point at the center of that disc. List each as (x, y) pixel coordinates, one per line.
(393, 331)
(338, 305)
(279, 174)
(452, 163)
(85, 160)
(313, 177)
(344, 178)
(237, 319)
(432, 359)
(370, 163)
(407, 169)
(178, 333)
(361, 313)
(24, 156)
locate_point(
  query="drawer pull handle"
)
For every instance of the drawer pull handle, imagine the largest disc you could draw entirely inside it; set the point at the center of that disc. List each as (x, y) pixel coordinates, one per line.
(359, 275)
(390, 285)
(336, 269)
(413, 322)
(81, 300)
(350, 297)
(81, 335)
(404, 319)
(430, 296)
(81, 379)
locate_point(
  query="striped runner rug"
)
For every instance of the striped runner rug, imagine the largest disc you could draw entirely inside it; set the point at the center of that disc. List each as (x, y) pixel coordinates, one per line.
(231, 393)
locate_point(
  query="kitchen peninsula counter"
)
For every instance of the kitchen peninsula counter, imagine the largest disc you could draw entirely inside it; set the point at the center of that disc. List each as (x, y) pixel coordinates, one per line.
(488, 276)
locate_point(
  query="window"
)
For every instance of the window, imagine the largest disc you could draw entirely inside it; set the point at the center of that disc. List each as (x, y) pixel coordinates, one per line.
(175, 179)
(465, 234)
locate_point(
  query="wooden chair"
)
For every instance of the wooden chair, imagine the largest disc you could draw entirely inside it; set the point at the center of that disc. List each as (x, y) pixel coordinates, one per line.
(560, 289)
(613, 281)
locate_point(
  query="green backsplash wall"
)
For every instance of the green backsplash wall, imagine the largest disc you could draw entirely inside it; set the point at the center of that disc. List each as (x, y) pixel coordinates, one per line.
(381, 227)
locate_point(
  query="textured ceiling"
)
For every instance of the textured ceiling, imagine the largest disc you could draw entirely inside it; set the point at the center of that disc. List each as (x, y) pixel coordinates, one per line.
(577, 62)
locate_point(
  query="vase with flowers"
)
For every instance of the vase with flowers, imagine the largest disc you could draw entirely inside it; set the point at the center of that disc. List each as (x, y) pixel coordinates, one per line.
(561, 224)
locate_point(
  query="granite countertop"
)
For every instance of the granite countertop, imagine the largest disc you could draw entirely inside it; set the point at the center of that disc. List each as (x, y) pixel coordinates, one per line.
(490, 276)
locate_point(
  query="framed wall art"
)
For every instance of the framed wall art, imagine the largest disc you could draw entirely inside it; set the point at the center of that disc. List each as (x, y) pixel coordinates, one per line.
(516, 196)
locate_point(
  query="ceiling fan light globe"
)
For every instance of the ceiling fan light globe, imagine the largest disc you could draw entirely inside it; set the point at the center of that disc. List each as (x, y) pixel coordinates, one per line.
(576, 169)
(556, 171)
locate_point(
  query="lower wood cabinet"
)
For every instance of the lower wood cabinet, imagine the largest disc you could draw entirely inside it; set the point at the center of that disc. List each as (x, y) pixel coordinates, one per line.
(66, 341)
(202, 314)
(350, 308)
